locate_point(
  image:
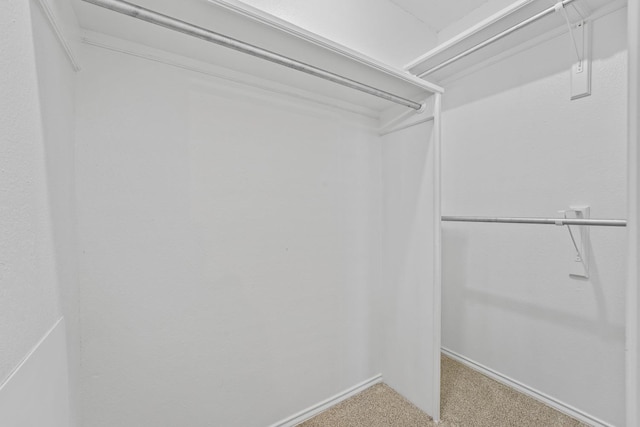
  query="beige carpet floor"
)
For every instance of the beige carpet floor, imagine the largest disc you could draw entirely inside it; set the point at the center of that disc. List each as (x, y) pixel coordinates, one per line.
(469, 399)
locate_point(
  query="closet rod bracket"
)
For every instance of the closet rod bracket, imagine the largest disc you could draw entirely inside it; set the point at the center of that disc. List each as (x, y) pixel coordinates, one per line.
(579, 265)
(422, 109)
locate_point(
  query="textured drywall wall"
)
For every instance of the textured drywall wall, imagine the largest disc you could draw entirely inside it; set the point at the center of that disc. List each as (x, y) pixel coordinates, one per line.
(28, 280)
(228, 239)
(56, 88)
(403, 338)
(515, 145)
(378, 28)
(36, 218)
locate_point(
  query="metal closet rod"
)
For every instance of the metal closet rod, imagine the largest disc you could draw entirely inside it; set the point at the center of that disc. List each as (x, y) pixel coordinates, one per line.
(537, 17)
(545, 221)
(171, 23)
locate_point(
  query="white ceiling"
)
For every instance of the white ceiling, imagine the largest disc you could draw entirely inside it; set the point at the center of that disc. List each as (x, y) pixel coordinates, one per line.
(438, 14)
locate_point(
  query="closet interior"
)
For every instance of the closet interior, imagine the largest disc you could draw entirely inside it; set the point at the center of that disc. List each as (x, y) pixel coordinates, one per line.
(245, 213)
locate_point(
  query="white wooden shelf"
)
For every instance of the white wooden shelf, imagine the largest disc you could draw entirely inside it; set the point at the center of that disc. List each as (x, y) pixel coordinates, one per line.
(238, 20)
(499, 22)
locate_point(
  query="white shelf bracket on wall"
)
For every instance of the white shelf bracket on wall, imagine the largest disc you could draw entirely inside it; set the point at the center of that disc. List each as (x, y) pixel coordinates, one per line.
(580, 34)
(581, 70)
(579, 266)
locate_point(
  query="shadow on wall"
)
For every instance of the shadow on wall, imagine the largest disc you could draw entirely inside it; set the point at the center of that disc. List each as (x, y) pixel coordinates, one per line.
(549, 58)
(457, 282)
(454, 276)
(407, 172)
(406, 176)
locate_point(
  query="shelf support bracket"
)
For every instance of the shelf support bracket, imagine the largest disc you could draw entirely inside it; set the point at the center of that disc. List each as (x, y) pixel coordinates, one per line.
(560, 8)
(579, 266)
(580, 70)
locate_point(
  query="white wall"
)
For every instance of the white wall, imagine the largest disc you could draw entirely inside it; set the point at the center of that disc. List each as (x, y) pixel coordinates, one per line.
(33, 225)
(515, 145)
(29, 304)
(404, 302)
(633, 325)
(56, 84)
(228, 241)
(377, 28)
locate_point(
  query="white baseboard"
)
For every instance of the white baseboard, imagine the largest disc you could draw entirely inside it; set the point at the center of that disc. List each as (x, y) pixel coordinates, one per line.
(524, 389)
(314, 410)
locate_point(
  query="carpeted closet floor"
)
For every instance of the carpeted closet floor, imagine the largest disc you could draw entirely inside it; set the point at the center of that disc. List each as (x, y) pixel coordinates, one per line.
(469, 399)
